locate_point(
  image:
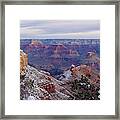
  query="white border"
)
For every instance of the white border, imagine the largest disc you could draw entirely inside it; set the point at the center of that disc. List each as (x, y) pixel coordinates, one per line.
(104, 13)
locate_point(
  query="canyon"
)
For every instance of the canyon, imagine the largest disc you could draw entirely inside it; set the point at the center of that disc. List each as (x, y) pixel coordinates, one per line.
(66, 70)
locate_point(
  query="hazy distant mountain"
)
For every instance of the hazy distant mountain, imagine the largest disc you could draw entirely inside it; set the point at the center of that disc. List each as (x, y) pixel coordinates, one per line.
(64, 41)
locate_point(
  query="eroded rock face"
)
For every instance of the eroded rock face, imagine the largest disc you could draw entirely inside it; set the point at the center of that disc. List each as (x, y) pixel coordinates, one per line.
(23, 62)
(37, 85)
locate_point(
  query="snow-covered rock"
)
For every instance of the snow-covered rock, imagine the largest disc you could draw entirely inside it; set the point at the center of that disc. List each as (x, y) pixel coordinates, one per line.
(36, 85)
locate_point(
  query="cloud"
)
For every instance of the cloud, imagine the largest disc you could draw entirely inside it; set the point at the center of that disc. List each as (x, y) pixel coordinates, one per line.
(60, 29)
(87, 35)
(31, 31)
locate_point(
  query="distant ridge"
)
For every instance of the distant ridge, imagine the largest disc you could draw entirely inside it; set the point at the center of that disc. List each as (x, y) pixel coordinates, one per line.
(67, 41)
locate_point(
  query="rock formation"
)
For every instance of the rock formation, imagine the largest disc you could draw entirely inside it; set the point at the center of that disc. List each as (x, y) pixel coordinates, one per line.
(23, 62)
(39, 85)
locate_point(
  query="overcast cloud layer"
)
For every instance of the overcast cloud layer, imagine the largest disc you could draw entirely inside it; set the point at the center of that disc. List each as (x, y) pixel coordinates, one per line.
(59, 29)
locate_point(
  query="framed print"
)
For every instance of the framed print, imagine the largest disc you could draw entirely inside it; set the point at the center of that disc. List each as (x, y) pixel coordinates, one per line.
(60, 60)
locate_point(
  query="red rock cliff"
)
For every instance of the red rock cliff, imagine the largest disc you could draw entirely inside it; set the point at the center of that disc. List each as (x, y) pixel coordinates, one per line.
(23, 62)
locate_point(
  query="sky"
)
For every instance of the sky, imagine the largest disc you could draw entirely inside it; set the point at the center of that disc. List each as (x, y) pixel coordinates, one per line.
(59, 29)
